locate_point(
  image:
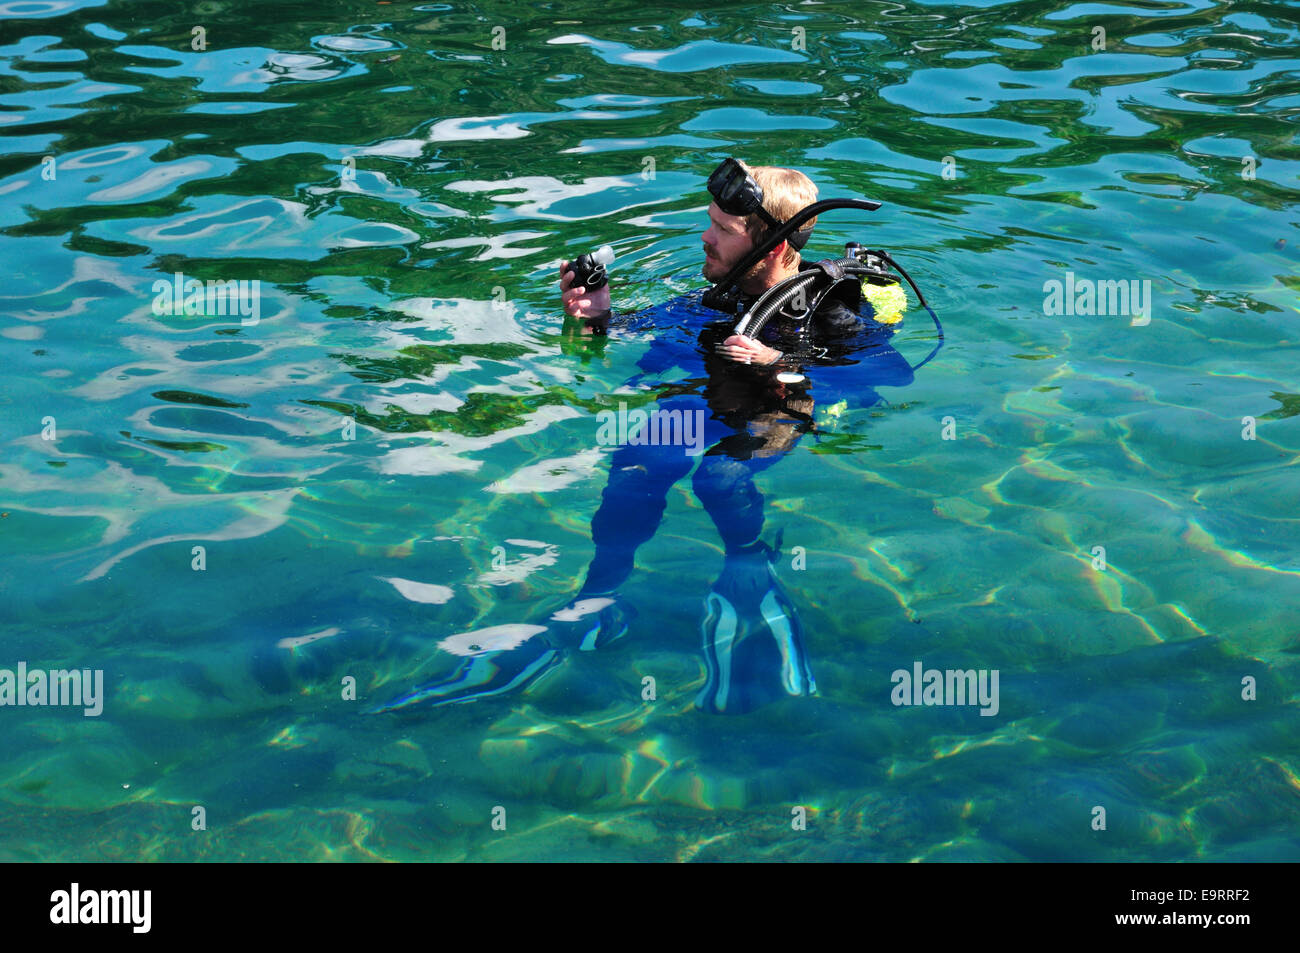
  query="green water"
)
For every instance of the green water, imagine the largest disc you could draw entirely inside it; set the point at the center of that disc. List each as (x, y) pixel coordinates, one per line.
(402, 179)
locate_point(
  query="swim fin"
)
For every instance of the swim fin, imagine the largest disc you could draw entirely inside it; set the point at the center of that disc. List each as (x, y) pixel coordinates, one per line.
(753, 642)
(481, 676)
(507, 658)
(590, 622)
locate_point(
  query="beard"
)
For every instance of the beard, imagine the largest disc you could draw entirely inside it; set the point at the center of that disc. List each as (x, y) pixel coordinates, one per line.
(715, 269)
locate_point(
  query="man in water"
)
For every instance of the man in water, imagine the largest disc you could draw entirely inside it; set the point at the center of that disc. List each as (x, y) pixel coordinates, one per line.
(752, 402)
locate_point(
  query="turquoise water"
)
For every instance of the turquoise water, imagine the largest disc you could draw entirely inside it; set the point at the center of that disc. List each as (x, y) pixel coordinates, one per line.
(401, 180)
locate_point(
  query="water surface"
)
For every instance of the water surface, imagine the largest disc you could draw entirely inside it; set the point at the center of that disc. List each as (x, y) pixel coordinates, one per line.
(401, 180)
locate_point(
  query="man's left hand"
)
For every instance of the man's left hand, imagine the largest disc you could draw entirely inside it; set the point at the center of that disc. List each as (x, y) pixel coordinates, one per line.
(747, 350)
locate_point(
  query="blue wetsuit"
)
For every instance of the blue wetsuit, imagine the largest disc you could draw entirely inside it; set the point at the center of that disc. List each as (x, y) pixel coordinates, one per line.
(750, 418)
(753, 644)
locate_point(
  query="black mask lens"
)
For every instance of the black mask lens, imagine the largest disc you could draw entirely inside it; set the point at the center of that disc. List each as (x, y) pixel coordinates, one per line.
(733, 189)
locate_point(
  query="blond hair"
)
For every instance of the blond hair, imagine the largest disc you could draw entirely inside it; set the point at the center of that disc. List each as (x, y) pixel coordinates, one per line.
(785, 193)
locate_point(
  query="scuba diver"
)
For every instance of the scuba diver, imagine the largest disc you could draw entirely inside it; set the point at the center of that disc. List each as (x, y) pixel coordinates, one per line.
(746, 383)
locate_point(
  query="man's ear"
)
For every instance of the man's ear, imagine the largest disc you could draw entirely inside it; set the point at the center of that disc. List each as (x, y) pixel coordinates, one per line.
(775, 254)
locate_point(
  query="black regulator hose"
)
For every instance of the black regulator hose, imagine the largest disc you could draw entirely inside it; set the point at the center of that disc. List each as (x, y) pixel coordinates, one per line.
(884, 256)
(786, 291)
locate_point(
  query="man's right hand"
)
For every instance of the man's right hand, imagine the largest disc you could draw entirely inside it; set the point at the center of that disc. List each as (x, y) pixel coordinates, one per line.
(577, 302)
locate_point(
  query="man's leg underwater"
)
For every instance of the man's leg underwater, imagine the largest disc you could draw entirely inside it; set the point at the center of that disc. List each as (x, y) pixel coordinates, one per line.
(752, 641)
(631, 509)
(632, 506)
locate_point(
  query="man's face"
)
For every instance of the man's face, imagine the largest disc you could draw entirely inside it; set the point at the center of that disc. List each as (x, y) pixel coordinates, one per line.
(725, 243)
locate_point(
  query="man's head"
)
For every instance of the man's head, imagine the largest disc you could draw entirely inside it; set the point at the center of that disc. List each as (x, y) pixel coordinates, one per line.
(730, 238)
